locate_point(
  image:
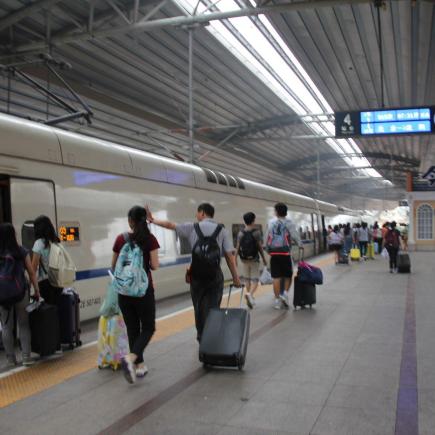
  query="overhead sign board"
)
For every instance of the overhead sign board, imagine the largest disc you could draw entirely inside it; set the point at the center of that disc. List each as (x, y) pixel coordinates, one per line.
(385, 122)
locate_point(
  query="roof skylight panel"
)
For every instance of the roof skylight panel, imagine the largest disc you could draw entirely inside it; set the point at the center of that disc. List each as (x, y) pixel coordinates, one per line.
(270, 59)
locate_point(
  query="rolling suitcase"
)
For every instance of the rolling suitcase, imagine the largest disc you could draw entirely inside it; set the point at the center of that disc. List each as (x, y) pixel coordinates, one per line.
(224, 340)
(44, 327)
(403, 262)
(355, 254)
(69, 318)
(304, 294)
(371, 251)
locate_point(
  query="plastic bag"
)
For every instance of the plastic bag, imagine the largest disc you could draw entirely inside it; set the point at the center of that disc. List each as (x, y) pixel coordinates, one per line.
(110, 305)
(384, 253)
(266, 277)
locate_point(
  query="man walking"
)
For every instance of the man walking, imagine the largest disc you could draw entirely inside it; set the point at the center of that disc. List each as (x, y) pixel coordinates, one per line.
(249, 248)
(208, 240)
(280, 233)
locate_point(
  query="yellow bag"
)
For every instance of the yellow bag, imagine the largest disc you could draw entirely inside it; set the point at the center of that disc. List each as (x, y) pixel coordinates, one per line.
(355, 254)
(112, 341)
(371, 250)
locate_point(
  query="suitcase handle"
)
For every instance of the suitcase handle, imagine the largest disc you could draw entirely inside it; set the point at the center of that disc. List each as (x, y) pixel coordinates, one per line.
(229, 295)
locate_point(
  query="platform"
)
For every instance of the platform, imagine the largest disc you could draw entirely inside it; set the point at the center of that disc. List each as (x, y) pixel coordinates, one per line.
(361, 362)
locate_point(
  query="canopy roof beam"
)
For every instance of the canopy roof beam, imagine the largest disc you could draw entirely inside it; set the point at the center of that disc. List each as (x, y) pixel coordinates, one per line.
(25, 11)
(146, 26)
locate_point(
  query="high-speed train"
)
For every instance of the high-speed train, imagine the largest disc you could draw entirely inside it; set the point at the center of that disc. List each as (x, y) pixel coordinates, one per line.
(86, 186)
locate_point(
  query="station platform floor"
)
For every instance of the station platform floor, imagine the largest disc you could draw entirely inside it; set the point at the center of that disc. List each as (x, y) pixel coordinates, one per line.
(361, 362)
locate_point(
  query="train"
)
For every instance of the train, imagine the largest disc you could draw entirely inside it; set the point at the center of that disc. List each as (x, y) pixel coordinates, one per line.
(87, 185)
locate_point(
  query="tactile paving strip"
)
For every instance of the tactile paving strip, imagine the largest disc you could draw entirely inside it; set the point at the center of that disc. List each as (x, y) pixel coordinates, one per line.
(26, 383)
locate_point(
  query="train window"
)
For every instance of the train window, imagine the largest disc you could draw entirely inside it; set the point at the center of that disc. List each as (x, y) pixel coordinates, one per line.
(28, 235)
(221, 179)
(236, 228)
(240, 183)
(183, 246)
(231, 181)
(210, 175)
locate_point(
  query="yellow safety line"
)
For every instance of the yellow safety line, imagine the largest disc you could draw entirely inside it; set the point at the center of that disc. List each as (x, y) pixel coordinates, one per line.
(49, 373)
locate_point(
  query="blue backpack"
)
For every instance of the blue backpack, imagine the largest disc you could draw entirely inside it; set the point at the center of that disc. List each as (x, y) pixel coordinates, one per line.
(13, 283)
(130, 277)
(278, 240)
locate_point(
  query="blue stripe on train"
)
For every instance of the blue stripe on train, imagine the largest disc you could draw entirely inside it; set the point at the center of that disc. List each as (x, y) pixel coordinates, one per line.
(98, 273)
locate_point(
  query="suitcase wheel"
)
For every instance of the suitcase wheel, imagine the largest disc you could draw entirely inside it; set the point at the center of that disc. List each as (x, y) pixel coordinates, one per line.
(241, 364)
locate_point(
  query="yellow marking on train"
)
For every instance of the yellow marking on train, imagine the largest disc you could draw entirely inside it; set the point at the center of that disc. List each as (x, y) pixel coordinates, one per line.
(49, 373)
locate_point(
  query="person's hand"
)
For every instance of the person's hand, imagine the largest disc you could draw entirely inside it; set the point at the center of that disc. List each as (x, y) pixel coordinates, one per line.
(236, 282)
(150, 217)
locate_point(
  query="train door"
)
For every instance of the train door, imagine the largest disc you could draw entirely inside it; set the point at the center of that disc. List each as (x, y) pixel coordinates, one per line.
(29, 199)
(5, 203)
(324, 234)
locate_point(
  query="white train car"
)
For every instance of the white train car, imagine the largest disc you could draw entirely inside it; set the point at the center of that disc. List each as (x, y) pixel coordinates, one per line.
(86, 186)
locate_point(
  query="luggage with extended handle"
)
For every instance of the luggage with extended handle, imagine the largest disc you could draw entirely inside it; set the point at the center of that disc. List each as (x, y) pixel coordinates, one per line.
(224, 340)
(304, 294)
(403, 262)
(69, 318)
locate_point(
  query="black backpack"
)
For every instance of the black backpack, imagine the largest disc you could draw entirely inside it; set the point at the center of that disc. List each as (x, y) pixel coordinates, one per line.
(248, 248)
(206, 254)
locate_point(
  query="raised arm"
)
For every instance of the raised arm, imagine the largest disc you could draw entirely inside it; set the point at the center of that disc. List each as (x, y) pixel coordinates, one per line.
(161, 223)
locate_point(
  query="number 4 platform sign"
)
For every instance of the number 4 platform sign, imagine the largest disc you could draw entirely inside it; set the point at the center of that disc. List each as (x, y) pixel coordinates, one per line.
(385, 122)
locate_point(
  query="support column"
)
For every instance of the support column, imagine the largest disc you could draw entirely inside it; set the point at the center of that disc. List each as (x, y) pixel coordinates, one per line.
(191, 137)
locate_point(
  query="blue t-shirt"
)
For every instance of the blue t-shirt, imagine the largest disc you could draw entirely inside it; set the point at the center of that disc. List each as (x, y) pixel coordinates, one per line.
(40, 249)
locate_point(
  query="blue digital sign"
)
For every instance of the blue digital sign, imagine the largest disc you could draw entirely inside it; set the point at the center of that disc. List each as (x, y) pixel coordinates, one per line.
(409, 120)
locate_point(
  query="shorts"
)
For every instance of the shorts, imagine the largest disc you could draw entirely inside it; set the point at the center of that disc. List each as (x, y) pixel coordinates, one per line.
(250, 270)
(281, 266)
(335, 247)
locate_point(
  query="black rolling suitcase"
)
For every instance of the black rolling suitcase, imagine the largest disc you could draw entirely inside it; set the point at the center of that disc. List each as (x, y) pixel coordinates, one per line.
(304, 294)
(403, 262)
(44, 327)
(224, 340)
(69, 318)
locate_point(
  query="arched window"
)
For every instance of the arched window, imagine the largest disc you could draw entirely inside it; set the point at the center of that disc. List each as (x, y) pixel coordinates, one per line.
(425, 222)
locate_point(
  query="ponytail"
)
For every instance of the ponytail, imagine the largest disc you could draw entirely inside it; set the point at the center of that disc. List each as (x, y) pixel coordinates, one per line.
(141, 232)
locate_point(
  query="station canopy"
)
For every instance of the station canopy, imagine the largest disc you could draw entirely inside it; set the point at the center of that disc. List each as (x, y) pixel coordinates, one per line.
(267, 77)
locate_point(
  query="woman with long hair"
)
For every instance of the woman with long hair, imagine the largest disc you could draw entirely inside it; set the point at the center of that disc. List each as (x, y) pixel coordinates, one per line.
(139, 312)
(9, 248)
(45, 235)
(336, 242)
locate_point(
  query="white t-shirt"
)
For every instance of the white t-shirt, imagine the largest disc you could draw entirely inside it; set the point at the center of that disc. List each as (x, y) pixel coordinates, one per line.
(40, 249)
(335, 238)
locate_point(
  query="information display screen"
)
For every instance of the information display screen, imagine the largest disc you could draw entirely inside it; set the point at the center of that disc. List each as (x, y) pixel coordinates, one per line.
(414, 120)
(69, 233)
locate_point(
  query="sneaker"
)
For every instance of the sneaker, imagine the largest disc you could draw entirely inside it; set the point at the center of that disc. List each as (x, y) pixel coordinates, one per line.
(277, 304)
(141, 370)
(284, 299)
(249, 301)
(128, 370)
(28, 361)
(11, 361)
